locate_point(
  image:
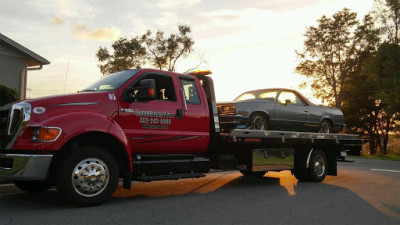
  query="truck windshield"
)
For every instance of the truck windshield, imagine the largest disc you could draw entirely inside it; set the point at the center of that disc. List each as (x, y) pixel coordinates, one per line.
(111, 82)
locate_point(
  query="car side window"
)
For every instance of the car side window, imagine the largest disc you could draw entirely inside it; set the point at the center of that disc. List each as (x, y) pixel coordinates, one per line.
(164, 86)
(190, 90)
(288, 97)
(268, 95)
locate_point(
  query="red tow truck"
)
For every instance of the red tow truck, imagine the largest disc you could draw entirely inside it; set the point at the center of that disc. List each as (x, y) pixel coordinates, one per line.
(146, 125)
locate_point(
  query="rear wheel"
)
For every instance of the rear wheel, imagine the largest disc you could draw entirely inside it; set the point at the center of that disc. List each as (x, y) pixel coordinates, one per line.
(301, 174)
(318, 166)
(317, 169)
(258, 121)
(33, 185)
(87, 176)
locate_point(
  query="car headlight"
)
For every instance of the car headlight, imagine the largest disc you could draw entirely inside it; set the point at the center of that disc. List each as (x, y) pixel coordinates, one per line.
(227, 109)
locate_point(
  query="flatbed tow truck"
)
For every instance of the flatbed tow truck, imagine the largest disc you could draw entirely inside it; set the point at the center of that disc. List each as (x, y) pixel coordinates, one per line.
(146, 125)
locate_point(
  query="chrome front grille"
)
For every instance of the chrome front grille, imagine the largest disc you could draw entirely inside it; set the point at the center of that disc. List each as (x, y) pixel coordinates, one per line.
(13, 119)
(3, 125)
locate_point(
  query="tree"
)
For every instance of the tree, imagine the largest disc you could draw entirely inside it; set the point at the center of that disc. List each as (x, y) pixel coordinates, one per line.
(166, 51)
(127, 54)
(361, 109)
(7, 95)
(330, 53)
(385, 71)
(155, 50)
(372, 106)
(388, 13)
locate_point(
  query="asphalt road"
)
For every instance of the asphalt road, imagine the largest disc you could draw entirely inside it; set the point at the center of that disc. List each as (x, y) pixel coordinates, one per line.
(365, 192)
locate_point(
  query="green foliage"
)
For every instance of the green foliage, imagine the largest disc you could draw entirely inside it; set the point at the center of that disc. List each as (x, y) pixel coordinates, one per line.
(386, 71)
(371, 96)
(388, 14)
(166, 51)
(331, 50)
(127, 54)
(157, 50)
(7, 95)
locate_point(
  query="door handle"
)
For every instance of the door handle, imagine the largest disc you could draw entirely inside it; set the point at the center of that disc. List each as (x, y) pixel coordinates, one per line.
(306, 110)
(179, 114)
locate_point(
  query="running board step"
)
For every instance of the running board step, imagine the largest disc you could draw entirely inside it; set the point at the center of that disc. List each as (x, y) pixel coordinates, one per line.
(149, 178)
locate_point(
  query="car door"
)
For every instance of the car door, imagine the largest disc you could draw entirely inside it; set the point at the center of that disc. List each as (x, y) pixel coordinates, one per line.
(154, 126)
(291, 112)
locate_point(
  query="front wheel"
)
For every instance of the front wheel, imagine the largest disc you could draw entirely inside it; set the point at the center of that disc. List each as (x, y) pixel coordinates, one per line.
(258, 121)
(87, 176)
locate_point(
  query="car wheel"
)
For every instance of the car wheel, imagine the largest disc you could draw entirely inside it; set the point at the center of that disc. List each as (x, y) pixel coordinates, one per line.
(33, 185)
(87, 176)
(325, 127)
(258, 121)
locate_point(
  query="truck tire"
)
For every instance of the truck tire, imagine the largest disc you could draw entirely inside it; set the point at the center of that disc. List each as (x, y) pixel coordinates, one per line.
(253, 174)
(317, 167)
(33, 185)
(301, 174)
(87, 176)
(258, 121)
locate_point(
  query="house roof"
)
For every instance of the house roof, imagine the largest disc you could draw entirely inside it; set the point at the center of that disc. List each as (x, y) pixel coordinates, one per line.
(33, 58)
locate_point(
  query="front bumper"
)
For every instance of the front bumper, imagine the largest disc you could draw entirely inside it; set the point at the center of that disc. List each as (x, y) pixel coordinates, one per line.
(24, 166)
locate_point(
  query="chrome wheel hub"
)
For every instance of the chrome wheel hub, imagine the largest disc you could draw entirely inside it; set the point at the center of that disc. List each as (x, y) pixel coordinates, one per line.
(90, 177)
(319, 166)
(259, 123)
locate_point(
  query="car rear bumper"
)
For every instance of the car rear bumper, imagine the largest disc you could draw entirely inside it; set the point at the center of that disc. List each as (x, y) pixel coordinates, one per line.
(24, 166)
(229, 122)
(336, 128)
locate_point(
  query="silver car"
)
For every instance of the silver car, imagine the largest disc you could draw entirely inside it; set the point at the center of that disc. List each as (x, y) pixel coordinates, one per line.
(278, 109)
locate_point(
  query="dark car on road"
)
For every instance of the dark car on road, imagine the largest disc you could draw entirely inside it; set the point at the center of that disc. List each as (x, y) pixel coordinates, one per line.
(278, 109)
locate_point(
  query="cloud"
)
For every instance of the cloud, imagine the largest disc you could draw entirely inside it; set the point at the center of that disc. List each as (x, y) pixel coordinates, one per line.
(82, 31)
(56, 21)
(168, 4)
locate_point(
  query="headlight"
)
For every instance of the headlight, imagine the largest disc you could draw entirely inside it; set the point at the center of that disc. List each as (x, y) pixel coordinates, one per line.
(46, 134)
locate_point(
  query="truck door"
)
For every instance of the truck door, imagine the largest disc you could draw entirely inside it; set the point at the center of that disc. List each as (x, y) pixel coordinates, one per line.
(155, 126)
(195, 115)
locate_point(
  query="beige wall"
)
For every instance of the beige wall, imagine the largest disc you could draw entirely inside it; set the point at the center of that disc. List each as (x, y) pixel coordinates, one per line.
(12, 65)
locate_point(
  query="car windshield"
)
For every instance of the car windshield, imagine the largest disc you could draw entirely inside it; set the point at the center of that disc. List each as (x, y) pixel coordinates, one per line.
(268, 95)
(111, 82)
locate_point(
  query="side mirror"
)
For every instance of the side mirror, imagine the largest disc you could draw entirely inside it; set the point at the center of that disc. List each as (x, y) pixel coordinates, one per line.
(287, 101)
(146, 90)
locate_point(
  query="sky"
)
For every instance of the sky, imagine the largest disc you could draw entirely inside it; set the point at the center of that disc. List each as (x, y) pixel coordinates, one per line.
(247, 44)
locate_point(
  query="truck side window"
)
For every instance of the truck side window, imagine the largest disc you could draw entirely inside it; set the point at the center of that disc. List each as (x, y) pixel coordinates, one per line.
(190, 90)
(164, 86)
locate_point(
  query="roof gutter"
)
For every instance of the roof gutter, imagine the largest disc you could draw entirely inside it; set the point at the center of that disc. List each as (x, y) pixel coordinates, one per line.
(23, 83)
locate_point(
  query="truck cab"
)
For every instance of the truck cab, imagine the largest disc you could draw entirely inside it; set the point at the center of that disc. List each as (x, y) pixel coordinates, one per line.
(143, 119)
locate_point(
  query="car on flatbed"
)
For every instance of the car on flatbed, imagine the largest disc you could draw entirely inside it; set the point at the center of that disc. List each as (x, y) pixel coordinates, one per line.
(278, 109)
